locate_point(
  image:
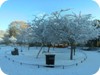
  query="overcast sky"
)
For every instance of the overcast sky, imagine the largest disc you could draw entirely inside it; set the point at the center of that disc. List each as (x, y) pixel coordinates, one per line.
(24, 9)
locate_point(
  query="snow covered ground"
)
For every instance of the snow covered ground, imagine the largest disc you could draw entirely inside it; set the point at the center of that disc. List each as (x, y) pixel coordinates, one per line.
(88, 67)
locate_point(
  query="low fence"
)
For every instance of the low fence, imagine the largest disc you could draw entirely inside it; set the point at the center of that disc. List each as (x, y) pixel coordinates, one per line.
(54, 66)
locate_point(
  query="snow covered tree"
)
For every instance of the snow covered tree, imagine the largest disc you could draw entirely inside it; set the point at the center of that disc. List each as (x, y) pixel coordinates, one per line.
(38, 27)
(73, 29)
(79, 29)
(70, 28)
(24, 37)
(6, 38)
(52, 31)
(15, 27)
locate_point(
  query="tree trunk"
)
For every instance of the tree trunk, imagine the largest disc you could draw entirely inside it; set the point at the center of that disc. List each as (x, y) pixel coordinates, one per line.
(74, 47)
(39, 51)
(71, 53)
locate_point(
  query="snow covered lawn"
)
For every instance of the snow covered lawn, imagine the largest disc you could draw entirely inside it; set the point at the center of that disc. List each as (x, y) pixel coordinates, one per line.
(88, 67)
(61, 56)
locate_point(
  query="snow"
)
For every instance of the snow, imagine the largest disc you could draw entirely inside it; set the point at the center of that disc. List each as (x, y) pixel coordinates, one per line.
(31, 57)
(89, 67)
